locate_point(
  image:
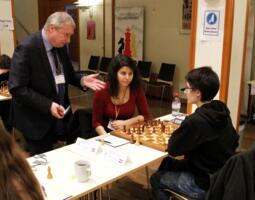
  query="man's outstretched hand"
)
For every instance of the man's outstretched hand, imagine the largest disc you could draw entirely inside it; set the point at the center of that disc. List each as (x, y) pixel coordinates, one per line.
(92, 82)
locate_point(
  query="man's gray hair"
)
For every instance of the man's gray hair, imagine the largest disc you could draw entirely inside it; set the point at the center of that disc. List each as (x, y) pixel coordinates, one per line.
(58, 20)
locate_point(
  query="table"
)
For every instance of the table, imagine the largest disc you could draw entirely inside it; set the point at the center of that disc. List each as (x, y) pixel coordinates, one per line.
(64, 184)
(250, 99)
(4, 98)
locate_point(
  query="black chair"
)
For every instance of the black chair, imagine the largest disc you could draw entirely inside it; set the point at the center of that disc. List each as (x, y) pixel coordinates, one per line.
(92, 66)
(236, 179)
(145, 70)
(165, 78)
(103, 67)
(80, 125)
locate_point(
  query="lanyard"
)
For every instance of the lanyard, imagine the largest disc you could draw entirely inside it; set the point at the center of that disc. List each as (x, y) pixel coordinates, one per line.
(117, 106)
(117, 111)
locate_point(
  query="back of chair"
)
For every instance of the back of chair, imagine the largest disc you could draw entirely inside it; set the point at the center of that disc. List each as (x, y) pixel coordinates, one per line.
(166, 72)
(144, 68)
(93, 63)
(104, 64)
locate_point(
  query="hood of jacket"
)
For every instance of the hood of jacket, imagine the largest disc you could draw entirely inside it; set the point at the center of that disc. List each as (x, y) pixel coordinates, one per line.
(215, 113)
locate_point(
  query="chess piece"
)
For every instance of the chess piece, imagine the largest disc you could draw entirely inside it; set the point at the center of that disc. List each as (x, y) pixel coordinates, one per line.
(132, 140)
(143, 128)
(137, 142)
(154, 129)
(163, 128)
(49, 175)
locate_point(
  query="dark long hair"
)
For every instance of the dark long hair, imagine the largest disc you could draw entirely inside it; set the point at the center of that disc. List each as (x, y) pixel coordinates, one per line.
(15, 172)
(118, 62)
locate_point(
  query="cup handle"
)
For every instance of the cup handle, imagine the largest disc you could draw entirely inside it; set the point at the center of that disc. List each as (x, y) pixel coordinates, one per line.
(89, 171)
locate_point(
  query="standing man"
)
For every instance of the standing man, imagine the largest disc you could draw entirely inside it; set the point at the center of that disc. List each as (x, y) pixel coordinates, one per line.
(40, 73)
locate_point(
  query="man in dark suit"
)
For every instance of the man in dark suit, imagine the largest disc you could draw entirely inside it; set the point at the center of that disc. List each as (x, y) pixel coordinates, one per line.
(40, 73)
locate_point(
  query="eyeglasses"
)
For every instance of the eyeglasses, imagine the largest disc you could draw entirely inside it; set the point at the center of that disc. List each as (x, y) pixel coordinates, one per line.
(187, 88)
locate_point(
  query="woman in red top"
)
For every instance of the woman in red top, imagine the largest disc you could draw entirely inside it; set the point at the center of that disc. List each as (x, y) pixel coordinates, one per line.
(114, 106)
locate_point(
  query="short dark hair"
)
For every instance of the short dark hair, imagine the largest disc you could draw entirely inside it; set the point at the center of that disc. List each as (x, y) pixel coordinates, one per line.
(205, 80)
(118, 62)
(5, 62)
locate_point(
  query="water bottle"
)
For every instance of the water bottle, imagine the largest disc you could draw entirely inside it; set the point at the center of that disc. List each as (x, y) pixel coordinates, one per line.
(176, 104)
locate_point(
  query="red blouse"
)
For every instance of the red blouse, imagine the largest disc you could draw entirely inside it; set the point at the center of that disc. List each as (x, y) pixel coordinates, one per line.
(104, 109)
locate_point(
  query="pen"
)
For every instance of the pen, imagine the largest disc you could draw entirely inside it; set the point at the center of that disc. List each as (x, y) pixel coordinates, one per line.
(67, 109)
(101, 140)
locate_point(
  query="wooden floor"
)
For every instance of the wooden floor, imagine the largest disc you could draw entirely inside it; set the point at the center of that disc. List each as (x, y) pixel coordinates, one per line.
(135, 185)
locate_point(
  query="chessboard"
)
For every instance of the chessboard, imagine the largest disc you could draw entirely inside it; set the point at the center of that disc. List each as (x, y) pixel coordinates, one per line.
(152, 133)
(4, 90)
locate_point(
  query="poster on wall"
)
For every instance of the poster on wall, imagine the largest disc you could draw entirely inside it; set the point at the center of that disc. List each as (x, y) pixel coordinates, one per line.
(6, 24)
(186, 16)
(129, 24)
(212, 20)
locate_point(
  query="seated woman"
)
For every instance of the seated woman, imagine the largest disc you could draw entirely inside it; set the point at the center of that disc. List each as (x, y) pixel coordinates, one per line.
(206, 138)
(114, 106)
(5, 63)
(17, 181)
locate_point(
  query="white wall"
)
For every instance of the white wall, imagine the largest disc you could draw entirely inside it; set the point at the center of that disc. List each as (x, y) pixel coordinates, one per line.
(26, 11)
(6, 37)
(162, 39)
(209, 52)
(236, 58)
(91, 47)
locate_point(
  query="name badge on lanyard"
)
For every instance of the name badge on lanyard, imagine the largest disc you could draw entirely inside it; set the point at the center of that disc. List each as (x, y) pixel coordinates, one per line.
(60, 79)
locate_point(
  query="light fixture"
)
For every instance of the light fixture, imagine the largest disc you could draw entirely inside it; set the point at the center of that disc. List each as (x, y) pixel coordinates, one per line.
(86, 4)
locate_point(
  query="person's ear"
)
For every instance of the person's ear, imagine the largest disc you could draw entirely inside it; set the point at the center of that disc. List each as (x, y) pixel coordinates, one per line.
(198, 94)
(51, 28)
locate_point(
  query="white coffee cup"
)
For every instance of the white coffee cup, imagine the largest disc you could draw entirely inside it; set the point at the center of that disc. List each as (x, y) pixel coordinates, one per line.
(82, 170)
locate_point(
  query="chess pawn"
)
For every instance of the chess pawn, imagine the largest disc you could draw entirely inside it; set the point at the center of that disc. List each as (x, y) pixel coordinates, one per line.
(49, 175)
(137, 142)
(132, 140)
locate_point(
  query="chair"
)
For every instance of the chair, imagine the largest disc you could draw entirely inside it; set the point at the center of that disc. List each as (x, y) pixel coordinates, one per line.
(80, 125)
(104, 64)
(165, 77)
(175, 195)
(92, 65)
(236, 179)
(144, 69)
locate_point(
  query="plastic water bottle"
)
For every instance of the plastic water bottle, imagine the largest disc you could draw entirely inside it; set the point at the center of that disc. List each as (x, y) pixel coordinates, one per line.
(176, 104)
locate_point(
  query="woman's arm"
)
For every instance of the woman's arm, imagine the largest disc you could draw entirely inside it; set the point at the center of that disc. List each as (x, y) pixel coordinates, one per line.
(97, 114)
(142, 105)
(100, 130)
(119, 124)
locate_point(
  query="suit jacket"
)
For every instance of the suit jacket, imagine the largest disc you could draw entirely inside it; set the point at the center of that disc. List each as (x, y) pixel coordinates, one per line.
(33, 87)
